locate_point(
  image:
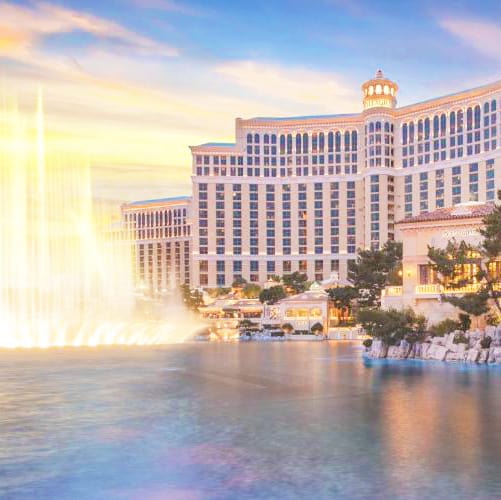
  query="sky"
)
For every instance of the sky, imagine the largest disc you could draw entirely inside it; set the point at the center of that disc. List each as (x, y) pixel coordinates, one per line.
(131, 84)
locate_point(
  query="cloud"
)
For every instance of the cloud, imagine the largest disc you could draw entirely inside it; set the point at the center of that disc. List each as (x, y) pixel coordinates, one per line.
(298, 85)
(133, 114)
(23, 27)
(483, 36)
(170, 6)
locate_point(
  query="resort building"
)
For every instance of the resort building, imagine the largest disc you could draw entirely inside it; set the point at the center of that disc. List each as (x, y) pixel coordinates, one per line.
(304, 193)
(161, 232)
(420, 289)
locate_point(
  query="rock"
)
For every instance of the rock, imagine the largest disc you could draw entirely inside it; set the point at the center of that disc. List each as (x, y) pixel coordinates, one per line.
(425, 347)
(497, 355)
(378, 350)
(393, 352)
(472, 355)
(437, 352)
(453, 356)
(484, 356)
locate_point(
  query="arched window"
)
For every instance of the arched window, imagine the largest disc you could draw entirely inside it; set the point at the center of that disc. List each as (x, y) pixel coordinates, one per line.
(165, 218)
(282, 144)
(266, 139)
(338, 142)
(298, 143)
(256, 138)
(386, 126)
(371, 127)
(305, 143)
(405, 133)
(486, 107)
(289, 144)
(378, 126)
(477, 116)
(411, 132)
(330, 142)
(460, 121)
(249, 138)
(452, 122)
(426, 129)
(314, 142)
(420, 130)
(443, 124)
(493, 105)
(321, 142)
(273, 139)
(354, 140)
(346, 141)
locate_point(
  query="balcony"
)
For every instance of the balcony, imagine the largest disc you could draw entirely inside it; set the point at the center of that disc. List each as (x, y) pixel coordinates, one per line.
(438, 289)
(392, 291)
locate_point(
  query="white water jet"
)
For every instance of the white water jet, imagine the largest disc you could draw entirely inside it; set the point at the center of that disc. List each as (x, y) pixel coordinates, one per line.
(63, 280)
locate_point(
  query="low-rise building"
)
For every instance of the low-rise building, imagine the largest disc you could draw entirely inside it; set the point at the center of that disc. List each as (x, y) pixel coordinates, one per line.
(420, 289)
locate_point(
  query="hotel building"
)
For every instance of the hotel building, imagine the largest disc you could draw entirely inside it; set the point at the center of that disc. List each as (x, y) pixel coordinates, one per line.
(304, 193)
(161, 234)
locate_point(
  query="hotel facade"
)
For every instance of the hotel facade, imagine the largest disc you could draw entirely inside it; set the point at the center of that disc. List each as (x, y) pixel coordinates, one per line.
(304, 193)
(162, 242)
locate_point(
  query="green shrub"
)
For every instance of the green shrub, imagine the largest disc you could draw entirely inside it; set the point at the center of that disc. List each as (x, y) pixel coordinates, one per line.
(287, 328)
(393, 325)
(444, 327)
(485, 343)
(461, 338)
(367, 343)
(465, 321)
(317, 328)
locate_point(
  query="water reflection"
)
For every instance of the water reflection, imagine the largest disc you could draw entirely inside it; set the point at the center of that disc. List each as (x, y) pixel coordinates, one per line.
(250, 420)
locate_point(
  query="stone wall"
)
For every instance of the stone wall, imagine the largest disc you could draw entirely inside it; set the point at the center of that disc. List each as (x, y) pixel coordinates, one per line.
(444, 348)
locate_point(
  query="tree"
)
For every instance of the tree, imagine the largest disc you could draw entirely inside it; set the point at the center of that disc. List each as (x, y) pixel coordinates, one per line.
(375, 269)
(287, 328)
(251, 291)
(317, 329)
(342, 298)
(272, 295)
(393, 325)
(295, 282)
(452, 265)
(193, 299)
(238, 282)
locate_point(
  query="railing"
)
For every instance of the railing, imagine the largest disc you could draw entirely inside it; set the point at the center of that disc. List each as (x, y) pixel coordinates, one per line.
(393, 291)
(438, 289)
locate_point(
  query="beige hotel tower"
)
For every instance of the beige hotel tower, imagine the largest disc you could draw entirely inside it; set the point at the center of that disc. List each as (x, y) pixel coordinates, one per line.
(304, 193)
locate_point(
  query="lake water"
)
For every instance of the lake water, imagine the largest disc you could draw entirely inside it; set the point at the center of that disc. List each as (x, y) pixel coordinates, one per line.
(243, 421)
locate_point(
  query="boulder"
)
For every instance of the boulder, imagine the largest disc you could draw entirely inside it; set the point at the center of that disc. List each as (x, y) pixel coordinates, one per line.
(425, 347)
(472, 355)
(378, 350)
(393, 351)
(497, 355)
(484, 356)
(437, 352)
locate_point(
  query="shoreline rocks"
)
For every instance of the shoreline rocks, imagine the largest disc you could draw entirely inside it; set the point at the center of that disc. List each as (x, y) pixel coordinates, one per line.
(444, 348)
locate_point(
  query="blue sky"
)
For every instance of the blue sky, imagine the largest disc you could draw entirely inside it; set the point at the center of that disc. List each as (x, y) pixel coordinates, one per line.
(154, 76)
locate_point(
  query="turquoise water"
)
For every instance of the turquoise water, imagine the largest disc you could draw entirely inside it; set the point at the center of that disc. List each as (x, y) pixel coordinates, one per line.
(244, 421)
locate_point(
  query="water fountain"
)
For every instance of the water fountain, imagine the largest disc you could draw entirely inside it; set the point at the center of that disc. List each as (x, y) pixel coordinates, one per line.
(63, 280)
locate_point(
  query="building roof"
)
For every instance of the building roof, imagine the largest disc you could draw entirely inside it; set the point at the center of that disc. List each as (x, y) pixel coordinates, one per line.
(470, 210)
(158, 201)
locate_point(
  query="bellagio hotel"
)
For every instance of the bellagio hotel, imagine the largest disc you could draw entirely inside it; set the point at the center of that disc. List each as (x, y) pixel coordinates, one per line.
(304, 193)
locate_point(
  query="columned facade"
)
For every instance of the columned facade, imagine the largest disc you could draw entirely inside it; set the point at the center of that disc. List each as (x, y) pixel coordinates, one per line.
(304, 193)
(161, 234)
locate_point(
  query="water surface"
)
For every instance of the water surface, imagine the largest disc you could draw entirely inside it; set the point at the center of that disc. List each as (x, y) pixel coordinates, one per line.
(244, 421)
